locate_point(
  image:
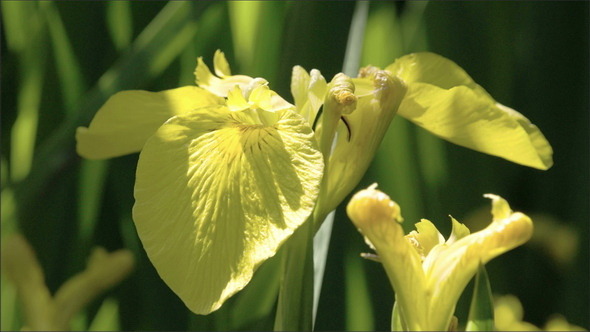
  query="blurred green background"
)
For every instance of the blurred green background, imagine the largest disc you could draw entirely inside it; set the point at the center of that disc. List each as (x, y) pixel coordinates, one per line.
(62, 60)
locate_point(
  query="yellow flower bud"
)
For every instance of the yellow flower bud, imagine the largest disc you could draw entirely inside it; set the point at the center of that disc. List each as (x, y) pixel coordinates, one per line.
(371, 209)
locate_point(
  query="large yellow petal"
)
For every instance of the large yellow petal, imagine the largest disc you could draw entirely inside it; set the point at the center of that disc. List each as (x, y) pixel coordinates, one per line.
(474, 120)
(216, 197)
(426, 67)
(443, 99)
(124, 123)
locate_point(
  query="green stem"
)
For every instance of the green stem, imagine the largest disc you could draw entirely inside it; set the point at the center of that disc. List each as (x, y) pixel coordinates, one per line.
(295, 305)
(296, 308)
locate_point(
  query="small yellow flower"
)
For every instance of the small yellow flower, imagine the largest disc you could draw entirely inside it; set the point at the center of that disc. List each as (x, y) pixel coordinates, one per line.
(428, 273)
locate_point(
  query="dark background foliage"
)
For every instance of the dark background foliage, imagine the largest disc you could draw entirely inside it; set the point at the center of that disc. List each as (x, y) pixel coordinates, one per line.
(531, 56)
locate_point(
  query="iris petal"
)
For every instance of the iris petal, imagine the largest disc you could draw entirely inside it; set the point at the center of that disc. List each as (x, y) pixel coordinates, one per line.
(216, 197)
(124, 123)
(451, 269)
(443, 99)
(474, 120)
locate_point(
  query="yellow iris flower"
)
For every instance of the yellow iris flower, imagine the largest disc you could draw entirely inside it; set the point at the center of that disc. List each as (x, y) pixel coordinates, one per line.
(229, 169)
(428, 273)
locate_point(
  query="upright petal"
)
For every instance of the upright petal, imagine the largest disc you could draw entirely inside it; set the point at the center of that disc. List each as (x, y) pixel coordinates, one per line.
(221, 85)
(444, 100)
(425, 237)
(128, 118)
(376, 216)
(220, 64)
(309, 91)
(215, 197)
(379, 96)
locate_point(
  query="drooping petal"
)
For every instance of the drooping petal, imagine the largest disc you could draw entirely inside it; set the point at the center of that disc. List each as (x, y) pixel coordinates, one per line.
(426, 67)
(455, 264)
(216, 197)
(475, 121)
(444, 100)
(128, 118)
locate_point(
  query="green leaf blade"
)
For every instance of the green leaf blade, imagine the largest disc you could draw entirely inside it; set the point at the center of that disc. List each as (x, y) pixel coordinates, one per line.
(481, 311)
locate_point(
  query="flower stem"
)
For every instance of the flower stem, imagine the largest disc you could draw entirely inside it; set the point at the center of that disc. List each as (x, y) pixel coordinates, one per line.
(295, 304)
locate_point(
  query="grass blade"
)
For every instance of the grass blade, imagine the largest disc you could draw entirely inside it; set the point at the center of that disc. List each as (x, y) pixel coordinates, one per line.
(156, 44)
(481, 311)
(68, 68)
(354, 46)
(120, 23)
(28, 41)
(359, 309)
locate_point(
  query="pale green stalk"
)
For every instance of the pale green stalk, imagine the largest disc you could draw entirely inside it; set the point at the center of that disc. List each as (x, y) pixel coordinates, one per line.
(28, 41)
(359, 308)
(120, 23)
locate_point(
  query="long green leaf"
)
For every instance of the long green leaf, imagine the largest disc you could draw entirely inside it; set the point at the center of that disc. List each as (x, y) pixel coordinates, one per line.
(213, 22)
(107, 317)
(9, 320)
(359, 309)
(257, 28)
(162, 40)
(120, 23)
(258, 299)
(68, 68)
(481, 310)
(354, 46)
(28, 42)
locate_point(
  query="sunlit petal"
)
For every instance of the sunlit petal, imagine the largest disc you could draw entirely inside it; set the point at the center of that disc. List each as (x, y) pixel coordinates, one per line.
(218, 86)
(443, 99)
(473, 120)
(216, 197)
(359, 138)
(450, 271)
(375, 215)
(308, 90)
(124, 123)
